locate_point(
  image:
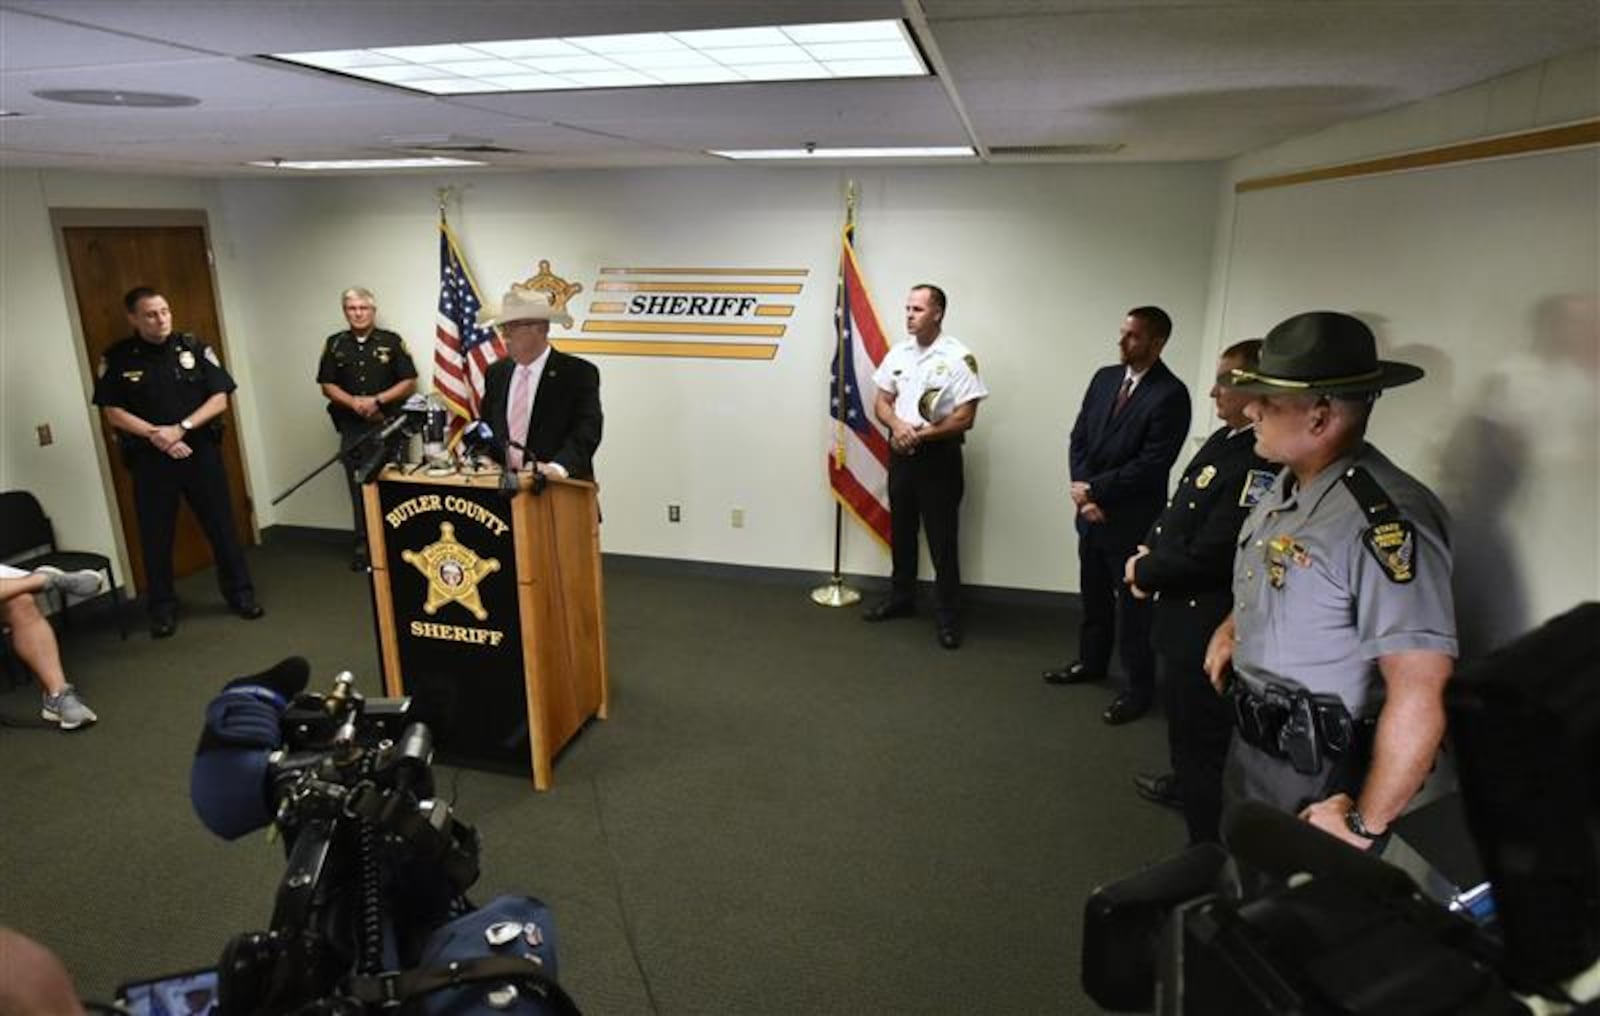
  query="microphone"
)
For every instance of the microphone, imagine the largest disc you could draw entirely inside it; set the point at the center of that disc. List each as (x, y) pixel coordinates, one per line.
(508, 479)
(228, 779)
(478, 437)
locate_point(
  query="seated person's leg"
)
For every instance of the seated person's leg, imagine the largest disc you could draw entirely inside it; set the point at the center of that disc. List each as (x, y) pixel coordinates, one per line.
(35, 644)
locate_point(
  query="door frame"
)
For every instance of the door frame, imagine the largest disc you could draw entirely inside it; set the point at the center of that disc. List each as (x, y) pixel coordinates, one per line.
(65, 218)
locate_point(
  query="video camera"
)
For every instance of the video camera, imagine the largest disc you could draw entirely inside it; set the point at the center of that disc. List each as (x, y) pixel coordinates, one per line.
(372, 912)
(387, 442)
(1327, 928)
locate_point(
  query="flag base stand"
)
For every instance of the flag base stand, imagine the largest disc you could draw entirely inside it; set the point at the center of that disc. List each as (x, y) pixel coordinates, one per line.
(835, 594)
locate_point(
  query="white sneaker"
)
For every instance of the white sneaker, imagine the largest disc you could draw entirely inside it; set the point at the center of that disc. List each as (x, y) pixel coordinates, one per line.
(78, 583)
(67, 709)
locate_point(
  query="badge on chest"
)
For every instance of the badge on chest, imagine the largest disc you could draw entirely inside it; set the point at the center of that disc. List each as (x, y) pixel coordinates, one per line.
(1281, 552)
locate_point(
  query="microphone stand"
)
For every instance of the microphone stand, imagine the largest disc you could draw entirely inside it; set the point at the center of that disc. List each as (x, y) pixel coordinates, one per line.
(508, 478)
(372, 432)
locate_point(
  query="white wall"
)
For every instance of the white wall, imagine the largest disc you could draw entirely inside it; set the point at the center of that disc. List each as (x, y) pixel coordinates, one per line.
(1484, 273)
(1040, 264)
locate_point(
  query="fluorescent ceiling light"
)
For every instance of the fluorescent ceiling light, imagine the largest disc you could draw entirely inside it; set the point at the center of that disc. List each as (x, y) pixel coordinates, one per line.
(948, 152)
(853, 49)
(417, 163)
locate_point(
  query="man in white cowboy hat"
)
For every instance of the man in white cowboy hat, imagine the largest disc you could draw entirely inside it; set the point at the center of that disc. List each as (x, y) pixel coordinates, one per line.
(542, 404)
(1343, 634)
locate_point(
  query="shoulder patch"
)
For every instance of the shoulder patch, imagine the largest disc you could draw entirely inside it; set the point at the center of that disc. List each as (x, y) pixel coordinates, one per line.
(1394, 546)
(971, 362)
(100, 369)
(1256, 484)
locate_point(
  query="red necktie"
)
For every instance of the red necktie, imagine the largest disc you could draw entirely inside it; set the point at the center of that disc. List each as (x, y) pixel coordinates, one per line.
(1123, 395)
(517, 415)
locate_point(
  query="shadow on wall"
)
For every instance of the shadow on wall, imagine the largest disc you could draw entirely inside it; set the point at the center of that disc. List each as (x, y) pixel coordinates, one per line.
(1520, 474)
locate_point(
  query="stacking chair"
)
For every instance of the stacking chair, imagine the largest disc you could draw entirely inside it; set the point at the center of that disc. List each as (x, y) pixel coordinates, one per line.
(26, 530)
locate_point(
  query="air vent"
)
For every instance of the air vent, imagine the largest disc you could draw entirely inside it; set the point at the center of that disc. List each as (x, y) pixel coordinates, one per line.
(1054, 151)
(448, 143)
(478, 149)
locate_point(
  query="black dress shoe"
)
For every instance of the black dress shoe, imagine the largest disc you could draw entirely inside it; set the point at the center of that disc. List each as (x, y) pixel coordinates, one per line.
(885, 610)
(1162, 790)
(1072, 673)
(949, 638)
(1125, 708)
(163, 626)
(248, 609)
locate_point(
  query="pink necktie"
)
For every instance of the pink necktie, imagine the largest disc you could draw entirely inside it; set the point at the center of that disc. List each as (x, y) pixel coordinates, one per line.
(517, 415)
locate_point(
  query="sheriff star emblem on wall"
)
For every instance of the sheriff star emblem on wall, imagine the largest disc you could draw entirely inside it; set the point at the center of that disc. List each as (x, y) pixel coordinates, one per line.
(453, 572)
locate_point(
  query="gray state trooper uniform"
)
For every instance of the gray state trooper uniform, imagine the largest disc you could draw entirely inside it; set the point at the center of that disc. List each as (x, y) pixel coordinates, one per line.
(1326, 580)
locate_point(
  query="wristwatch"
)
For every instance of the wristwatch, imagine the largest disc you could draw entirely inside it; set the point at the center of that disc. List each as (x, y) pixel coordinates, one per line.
(185, 426)
(1354, 823)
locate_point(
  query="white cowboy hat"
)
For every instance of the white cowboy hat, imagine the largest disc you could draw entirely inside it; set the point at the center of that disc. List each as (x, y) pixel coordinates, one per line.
(522, 304)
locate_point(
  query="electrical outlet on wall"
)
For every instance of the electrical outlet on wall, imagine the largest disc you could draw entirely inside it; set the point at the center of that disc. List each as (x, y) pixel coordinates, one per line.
(674, 513)
(45, 437)
(737, 518)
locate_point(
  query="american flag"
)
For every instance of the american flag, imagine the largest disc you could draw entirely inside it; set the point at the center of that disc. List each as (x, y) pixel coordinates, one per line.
(858, 464)
(462, 349)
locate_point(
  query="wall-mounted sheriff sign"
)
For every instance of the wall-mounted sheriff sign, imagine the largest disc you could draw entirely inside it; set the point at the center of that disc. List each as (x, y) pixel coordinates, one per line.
(705, 313)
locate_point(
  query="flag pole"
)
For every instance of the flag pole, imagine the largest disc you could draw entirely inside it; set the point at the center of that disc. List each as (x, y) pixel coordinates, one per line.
(835, 593)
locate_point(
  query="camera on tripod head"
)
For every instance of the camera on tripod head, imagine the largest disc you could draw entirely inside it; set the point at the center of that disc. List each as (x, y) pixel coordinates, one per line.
(372, 911)
(388, 442)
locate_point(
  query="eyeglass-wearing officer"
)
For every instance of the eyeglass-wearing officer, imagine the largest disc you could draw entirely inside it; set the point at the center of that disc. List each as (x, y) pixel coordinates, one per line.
(1342, 635)
(1185, 565)
(165, 392)
(928, 395)
(366, 374)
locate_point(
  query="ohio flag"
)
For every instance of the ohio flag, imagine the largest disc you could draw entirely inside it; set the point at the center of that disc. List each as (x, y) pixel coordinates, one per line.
(858, 464)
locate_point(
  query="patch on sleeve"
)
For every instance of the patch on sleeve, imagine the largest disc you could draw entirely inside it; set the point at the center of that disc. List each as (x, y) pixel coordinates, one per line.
(211, 354)
(1394, 547)
(971, 362)
(1256, 484)
(100, 370)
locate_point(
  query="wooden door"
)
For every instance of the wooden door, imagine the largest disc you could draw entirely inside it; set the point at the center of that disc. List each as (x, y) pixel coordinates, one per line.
(106, 262)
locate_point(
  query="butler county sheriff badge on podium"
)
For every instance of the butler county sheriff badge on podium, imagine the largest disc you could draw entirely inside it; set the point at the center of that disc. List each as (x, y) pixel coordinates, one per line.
(490, 611)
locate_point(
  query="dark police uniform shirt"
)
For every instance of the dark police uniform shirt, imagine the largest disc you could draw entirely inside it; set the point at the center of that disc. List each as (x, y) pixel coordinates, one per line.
(162, 384)
(1190, 565)
(363, 367)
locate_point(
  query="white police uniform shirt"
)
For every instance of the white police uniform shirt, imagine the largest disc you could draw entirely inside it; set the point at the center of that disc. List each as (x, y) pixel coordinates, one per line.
(929, 382)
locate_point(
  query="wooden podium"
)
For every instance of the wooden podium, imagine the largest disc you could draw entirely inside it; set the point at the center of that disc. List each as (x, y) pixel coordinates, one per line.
(490, 611)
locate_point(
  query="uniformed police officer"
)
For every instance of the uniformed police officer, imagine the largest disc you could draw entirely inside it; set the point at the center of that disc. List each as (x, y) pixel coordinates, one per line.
(928, 395)
(366, 373)
(1186, 565)
(1342, 635)
(165, 392)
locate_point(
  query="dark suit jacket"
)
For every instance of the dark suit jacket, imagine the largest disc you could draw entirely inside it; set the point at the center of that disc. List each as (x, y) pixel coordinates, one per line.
(566, 420)
(1126, 459)
(1190, 564)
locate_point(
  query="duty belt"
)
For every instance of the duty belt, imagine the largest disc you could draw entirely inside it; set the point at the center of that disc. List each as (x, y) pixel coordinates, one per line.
(1299, 726)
